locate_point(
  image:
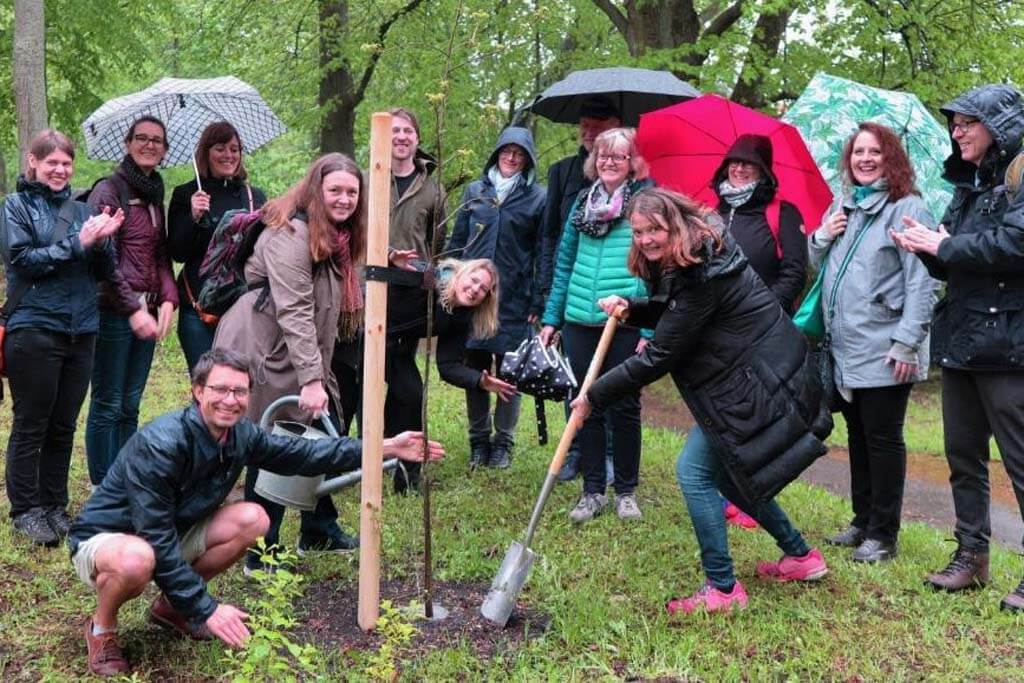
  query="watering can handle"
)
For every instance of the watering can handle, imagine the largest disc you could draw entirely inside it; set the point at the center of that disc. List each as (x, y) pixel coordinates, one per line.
(268, 414)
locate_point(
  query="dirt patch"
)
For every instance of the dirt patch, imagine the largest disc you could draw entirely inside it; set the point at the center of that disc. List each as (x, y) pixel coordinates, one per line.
(330, 619)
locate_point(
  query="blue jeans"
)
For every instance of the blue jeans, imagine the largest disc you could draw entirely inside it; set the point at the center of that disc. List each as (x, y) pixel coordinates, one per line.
(196, 337)
(701, 476)
(119, 373)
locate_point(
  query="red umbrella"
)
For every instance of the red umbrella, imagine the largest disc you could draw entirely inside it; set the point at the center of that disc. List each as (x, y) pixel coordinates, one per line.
(685, 144)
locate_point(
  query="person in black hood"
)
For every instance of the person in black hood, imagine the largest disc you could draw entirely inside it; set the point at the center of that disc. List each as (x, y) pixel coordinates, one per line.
(768, 230)
(499, 219)
(978, 328)
(196, 208)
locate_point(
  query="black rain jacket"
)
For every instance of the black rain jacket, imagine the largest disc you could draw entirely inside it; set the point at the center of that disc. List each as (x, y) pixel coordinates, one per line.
(738, 362)
(173, 474)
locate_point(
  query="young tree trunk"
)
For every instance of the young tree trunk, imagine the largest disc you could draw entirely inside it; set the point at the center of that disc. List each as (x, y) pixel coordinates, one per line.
(29, 69)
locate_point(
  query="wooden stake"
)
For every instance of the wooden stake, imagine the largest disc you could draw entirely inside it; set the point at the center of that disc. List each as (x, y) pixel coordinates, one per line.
(379, 206)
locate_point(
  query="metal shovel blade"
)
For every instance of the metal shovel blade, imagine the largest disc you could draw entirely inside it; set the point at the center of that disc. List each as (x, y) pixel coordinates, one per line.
(509, 580)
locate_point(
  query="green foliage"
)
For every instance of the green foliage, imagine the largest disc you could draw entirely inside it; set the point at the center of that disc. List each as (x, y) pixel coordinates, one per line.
(395, 633)
(270, 654)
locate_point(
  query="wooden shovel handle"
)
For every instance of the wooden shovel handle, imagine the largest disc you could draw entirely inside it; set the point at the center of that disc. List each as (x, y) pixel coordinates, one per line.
(573, 424)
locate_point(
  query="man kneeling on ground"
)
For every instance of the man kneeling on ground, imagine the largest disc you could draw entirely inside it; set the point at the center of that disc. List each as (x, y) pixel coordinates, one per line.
(158, 515)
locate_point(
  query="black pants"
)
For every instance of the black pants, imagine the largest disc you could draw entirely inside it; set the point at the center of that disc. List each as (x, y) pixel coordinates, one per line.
(48, 373)
(624, 414)
(878, 458)
(404, 401)
(975, 407)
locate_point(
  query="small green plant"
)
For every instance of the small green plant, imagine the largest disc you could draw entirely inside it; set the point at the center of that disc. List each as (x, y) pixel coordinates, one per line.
(270, 655)
(395, 632)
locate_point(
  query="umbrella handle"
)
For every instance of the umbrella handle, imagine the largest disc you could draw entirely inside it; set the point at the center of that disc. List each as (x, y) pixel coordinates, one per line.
(195, 167)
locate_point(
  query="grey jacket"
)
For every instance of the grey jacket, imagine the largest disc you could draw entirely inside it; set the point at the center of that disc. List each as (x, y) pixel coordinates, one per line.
(884, 301)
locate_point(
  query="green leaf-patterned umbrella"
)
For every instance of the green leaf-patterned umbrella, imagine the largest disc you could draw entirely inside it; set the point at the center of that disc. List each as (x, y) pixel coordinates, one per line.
(830, 109)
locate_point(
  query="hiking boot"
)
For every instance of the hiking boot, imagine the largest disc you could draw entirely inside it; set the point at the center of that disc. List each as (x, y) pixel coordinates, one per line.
(709, 599)
(589, 506)
(810, 567)
(479, 453)
(105, 656)
(34, 525)
(501, 457)
(571, 466)
(626, 506)
(737, 517)
(966, 569)
(1014, 600)
(164, 615)
(338, 543)
(59, 520)
(406, 480)
(873, 550)
(850, 537)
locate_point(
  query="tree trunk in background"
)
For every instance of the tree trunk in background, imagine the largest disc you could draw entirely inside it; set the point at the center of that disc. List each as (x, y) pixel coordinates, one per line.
(764, 47)
(29, 69)
(3, 173)
(336, 96)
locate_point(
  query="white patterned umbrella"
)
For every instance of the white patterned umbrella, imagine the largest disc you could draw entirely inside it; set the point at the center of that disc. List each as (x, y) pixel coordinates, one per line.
(186, 106)
(830, 109)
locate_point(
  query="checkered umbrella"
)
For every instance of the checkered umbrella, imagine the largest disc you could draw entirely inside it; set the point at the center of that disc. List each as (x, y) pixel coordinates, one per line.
(186, 106)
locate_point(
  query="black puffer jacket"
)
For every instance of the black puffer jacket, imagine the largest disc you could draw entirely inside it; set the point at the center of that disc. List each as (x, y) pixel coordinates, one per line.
(61, 275)
(740, 365)
(172, 474)
(979, 325)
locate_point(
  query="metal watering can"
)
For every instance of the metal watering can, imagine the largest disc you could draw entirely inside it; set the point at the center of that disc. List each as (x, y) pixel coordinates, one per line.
(298, 491)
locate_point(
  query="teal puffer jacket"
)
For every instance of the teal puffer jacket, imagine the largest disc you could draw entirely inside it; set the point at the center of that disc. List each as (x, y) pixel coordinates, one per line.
(590, 268)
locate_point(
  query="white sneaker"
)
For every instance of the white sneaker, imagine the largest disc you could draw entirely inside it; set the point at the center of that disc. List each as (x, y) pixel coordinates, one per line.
(626, 506)
(589, 506)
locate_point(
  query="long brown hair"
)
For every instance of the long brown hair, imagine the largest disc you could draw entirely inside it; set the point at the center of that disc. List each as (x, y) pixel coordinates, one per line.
(685, 221)
(307, 195)
(45, 143)
(896, 168)
(219, 133)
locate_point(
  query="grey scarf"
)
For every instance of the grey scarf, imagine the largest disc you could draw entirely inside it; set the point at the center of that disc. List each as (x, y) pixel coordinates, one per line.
(737, 196)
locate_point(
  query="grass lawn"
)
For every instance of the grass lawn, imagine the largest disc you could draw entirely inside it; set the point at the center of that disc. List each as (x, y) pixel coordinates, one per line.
(603, 584)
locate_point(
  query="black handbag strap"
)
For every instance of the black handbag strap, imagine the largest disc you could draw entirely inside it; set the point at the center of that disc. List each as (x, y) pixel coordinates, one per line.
(64, 220)
(542, 421)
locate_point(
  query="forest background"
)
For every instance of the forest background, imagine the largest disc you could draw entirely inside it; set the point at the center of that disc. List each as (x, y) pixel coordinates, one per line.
(469, 67)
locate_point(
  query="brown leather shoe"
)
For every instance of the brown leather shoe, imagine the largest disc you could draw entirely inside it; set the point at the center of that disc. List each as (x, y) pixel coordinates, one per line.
(1014, 600)
(966, 569)
(105, 656)
(164, 615)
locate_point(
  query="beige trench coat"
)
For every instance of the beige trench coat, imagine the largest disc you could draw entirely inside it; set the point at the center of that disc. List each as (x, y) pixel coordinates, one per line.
(290, 340)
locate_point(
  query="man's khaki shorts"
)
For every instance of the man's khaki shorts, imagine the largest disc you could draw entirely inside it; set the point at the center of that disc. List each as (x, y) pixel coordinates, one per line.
(193, 544)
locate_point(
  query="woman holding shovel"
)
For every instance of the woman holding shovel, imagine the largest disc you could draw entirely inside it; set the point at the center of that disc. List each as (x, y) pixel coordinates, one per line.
(741, 366)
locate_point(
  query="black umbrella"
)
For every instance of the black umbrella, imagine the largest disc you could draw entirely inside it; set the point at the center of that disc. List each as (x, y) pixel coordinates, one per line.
(631, 91)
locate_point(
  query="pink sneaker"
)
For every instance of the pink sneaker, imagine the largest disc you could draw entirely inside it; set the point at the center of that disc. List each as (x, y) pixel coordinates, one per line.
(710, 599)
(733, 515)
(810, 567)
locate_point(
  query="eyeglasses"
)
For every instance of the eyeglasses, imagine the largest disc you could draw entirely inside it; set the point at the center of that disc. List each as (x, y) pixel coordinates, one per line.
(219, 392)
(961, 127)
(616, 158)
(147, 140)
(737, 163)
(514, 153)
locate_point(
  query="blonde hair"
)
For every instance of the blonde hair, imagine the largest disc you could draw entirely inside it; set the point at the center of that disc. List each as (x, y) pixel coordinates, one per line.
(485, 314)
(613, 140)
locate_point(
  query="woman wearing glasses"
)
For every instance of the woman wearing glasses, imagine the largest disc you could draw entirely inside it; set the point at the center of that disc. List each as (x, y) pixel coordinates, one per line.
(128, 332)
(191, 218)
(591, 264)
(499, 219)
(304, 293)
(767, 229)
(979, 325)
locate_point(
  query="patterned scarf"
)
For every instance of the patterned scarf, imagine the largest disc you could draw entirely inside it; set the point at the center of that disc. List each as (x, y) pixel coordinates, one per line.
(351, 294)
(737, 196)
(150, 187)
(597, 210)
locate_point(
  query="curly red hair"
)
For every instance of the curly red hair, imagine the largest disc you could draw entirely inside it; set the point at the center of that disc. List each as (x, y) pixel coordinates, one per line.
(896, 164)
